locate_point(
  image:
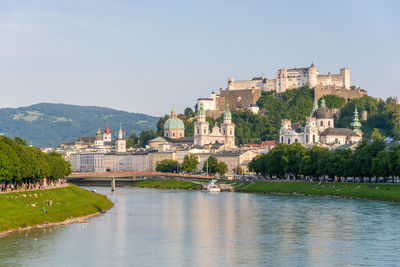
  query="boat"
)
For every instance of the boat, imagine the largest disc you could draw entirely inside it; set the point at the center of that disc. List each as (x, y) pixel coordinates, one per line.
(213, 188)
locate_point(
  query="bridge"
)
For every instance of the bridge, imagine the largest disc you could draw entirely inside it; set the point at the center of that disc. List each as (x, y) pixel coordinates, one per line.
(127, 178)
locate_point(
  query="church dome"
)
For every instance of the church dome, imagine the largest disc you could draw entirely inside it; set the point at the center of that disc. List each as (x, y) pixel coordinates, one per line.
(227, 113)
(174, 123)
(323, 112)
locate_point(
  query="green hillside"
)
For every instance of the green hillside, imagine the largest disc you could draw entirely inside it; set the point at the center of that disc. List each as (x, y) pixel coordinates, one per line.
(51, 124)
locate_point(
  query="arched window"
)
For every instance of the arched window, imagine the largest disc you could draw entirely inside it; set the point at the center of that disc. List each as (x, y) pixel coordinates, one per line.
(288, 141)
(230, 132)
(173, 134)
(205, 131)
(329, 123)
(313, 138)
(296, 140)
(166, 134)
(198, 131)
(282, 139)
(322, 123)
(180, 134)
(307, 138)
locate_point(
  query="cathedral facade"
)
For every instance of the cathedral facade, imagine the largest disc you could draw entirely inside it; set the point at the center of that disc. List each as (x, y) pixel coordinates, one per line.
(320, 129)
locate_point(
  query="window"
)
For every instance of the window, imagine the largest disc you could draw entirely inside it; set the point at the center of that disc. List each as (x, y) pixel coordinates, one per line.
(313, 138)
(288, 141)
(329, 123)
(198, 131)
(166, 134)
(173, 134)
(322, 123)
(230, 132)
(296, 140)
(282, 139)
(205, 131)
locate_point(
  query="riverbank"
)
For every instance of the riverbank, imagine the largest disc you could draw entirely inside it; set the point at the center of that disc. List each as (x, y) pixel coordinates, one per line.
(168, 184)
(24, 210)
(385, 192)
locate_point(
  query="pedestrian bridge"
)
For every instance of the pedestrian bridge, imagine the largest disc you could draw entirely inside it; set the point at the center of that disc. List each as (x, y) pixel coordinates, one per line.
(127, 178)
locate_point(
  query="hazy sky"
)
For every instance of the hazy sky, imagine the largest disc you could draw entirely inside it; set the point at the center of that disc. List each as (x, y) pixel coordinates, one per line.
(145, 56)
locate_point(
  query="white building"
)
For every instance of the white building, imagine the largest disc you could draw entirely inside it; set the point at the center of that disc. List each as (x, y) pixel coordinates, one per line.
(320, 129)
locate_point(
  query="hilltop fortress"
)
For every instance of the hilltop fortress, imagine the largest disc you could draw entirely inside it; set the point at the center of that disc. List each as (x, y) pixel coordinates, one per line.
(244, 94)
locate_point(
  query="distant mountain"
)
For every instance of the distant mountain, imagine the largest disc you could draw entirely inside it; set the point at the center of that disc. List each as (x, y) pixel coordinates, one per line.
(51, 124)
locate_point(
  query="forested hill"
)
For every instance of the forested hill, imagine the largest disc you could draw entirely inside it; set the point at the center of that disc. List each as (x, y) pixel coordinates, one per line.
(383, 115)
(51, 124)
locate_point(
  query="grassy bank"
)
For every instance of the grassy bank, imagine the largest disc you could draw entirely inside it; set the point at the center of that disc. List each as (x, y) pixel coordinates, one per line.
(23, 209)
(350, 190)
(168, 184)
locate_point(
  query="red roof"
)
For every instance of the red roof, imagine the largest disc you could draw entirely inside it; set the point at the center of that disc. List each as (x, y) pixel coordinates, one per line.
(107, 130)
(268, 143)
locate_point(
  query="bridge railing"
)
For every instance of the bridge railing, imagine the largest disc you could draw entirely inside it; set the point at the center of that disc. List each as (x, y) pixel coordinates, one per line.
(186, 175)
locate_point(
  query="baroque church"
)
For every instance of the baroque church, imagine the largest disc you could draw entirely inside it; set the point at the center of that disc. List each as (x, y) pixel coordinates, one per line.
(320, 129)
(222, 136)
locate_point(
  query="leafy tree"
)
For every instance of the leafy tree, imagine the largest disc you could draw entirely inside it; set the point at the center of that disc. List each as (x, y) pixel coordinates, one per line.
(168, 165)
(211, 165)
(189, 113)
(145, 137)
(222, 168)
(376, 135)
(333, 101)
(132, 140)
(190, 163)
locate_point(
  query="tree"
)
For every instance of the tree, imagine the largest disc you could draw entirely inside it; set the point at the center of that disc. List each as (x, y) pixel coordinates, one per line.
(211, 165)
(333, 101)
(222, 168)
(189, 112)
(132, 140)
(376, 135)
(190, 163)
(168, 165)
(145, 137)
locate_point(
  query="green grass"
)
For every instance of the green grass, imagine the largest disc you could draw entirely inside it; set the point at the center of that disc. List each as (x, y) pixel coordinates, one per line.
(22, 209)
(378, 192)
(225, 181)
(168, 184)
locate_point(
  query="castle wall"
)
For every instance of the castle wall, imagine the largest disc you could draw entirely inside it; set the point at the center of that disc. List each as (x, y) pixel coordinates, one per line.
(344, 93)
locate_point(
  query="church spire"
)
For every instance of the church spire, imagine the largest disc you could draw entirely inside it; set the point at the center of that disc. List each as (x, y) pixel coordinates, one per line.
(356, 123)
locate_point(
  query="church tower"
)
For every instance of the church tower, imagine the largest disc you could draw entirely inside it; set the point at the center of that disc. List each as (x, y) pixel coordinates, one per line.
(120, 143)
(99, 139)
(356, 123)
(201, 128)
(107, 134)
(228, 129)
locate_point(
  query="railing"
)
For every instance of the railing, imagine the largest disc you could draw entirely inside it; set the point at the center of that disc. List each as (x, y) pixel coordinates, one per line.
(186, 175)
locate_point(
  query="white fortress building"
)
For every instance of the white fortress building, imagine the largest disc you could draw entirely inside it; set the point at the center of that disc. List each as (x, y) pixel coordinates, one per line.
(287, 79)
(242, 95)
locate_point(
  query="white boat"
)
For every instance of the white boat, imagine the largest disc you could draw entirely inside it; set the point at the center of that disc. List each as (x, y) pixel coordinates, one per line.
(213, 188)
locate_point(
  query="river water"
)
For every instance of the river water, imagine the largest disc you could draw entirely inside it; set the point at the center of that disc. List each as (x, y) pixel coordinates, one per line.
(190, 228)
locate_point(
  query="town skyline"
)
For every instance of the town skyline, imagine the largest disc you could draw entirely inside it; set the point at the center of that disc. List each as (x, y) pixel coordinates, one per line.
(81, 53)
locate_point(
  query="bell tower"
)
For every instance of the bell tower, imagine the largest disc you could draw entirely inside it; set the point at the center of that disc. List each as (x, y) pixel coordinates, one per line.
(201, 128)
(228, 129)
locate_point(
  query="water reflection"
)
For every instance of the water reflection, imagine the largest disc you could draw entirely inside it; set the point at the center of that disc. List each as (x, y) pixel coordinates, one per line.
(170, 228)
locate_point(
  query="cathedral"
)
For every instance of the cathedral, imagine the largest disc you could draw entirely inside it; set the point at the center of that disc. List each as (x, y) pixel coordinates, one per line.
(320, 129)
(219, 135)
(222, 136)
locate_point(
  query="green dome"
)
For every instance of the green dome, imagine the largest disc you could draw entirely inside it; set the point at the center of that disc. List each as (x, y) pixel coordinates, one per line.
(174, 123)
(227, 113)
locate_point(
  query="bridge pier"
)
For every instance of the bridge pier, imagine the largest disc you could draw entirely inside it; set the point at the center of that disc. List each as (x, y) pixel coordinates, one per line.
(113, 184)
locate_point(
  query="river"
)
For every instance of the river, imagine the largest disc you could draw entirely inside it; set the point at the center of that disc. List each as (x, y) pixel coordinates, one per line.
(190, 228)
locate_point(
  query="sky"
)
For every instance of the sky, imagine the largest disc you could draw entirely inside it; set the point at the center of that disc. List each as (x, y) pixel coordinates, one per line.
(147, 56)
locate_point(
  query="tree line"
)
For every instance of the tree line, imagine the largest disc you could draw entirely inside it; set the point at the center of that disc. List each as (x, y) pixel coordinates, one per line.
(190, 164)
(367, 160)
(20, 162)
